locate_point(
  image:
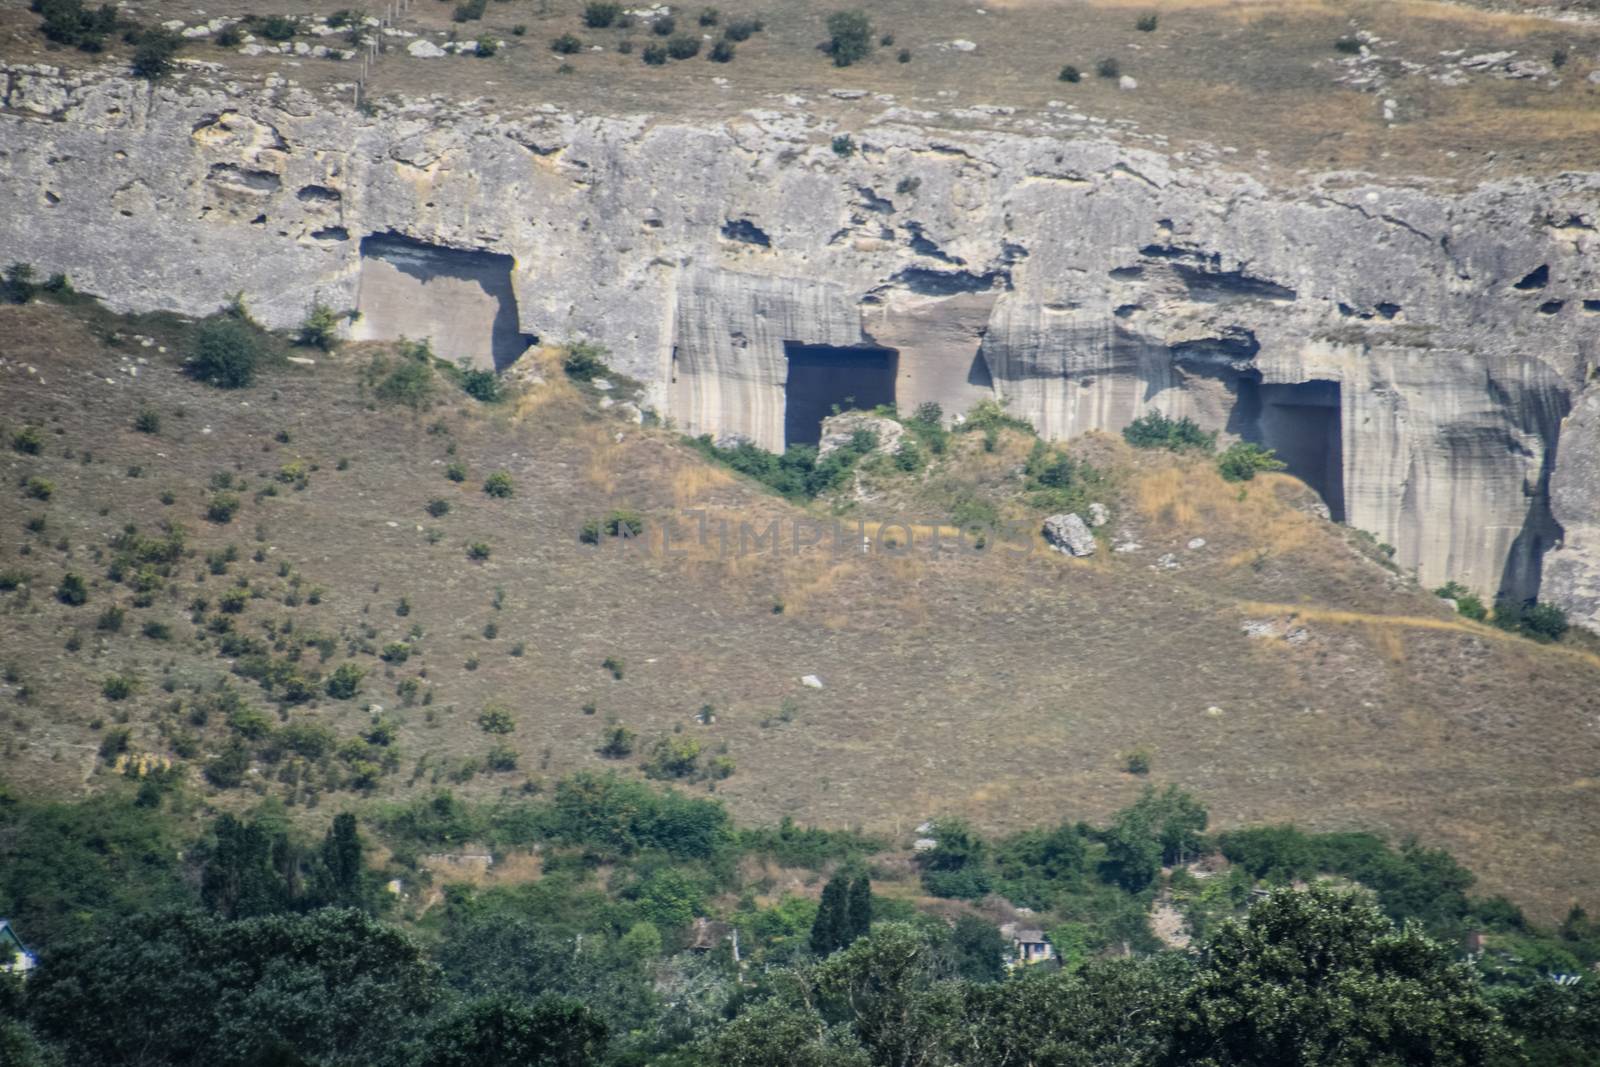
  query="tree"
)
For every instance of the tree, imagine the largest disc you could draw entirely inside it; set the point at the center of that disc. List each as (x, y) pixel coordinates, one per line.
(860, 907)
(975, 949)
(1321, 978)
(339, 880)
(226, 352)
(775, 1033)
(239, 878)
(889, 990)
(186, 989)
(957, 864)
(1111, 1013)
(501, 1031)
(850, 37)
(831, 930)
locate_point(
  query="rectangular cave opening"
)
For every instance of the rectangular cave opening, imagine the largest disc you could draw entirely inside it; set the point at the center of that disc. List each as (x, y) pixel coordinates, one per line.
(822, 377)
(460, 300)
(1301, 423)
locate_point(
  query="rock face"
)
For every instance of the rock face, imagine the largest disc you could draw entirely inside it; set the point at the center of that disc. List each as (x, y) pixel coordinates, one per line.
(1572, 571)
(1411, 351)
(1070, 534)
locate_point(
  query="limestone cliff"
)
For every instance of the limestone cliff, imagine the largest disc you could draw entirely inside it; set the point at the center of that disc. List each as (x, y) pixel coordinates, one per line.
(1413, 351)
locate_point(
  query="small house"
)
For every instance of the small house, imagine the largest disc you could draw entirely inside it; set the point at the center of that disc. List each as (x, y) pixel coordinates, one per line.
(14, 956)
(1028, 946)
(705, 935)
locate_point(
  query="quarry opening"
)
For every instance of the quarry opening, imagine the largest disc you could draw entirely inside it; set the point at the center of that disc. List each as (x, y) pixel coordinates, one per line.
(460, 300)
(1301, 422)
(823, 377)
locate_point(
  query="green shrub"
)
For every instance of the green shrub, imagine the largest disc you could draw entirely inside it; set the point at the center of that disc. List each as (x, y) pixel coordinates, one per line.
(1350, 46)
(741, 29)
(495, 719)
(600, 14)
(157, 631)
(1155, 430)
(29, 440)
(501, 758)
(1468, 603)
(664, 26)
(589, 533)
(567, 44)
(111, 619)
(227, 352)
(68, 22)
(653, 55)
(1138, 762)
(498, 485)
(320, 329)
(222, 507)
(615, 665)
(617, 742)
(274, 27)
(12, 578)
(1108, 68)
(39, 488)
(1242, 461)
(683, 46)
(1147, 23)
(230, 36)
(480, 385)
(844, 146)
(227, 769)
(908, 457)
(1542, 622)
(117, 687)
(673, 757)
(408, 379)
(72, 590)
(396, 652)
(722, 52)
(438, 508)
(583, 361)
(147, 421)
(622, 523)
(469, 11)
(345, 682)
(478, 551)
(456, 472)
(1069, 73)
(152, 57)
(849, 37)
(709, 16)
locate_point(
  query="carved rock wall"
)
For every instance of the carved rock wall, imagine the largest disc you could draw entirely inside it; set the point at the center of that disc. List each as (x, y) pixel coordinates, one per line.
(1082, 281)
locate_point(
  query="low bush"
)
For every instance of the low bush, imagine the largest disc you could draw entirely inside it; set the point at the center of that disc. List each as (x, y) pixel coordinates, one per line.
(683, 46)
(567, 44)
(1155, 430)
(709, 16)
(495, 719)
(70, 23)
(1542, 622)
(849, 37)
(742, 29)
(673, 757)
(844, 146)
(320, 329)
(345, 682)
(72, 590)
(722, 52)
(1108, 68)
(614, 665)
(653, 55)
(29, 440)
(39, 488)
(478, 551)
(152, 57)
(222, 507)
(469, 11)
(147, 421)
(1069, 73)
(599, 15)
(1468, 603)
(227, 352)
(498, 485)
(1147, 23)
(617, 742)
(438, 508)
(1242, 461)
(583, 361)
(1350, 46)
(664, 26)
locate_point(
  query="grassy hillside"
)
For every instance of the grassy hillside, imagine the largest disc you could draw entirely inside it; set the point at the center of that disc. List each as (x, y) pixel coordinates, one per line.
(1007, 688)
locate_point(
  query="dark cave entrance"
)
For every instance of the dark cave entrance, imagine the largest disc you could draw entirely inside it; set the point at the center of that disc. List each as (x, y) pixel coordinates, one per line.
(824, 376)
(1301, 423)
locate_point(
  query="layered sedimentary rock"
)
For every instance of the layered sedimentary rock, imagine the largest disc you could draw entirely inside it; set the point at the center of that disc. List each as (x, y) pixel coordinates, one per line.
(1414, 350)
(1572, 571)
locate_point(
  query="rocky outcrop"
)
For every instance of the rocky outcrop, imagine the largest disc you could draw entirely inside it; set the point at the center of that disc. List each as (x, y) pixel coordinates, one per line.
(1572, 571)
(1440, 337)
(1068, 533)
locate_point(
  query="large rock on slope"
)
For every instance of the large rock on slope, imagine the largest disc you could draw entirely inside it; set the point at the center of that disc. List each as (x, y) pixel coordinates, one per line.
(1068, 533)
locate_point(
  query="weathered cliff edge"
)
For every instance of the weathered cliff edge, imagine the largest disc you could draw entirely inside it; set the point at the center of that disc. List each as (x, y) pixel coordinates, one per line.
(1416, 350)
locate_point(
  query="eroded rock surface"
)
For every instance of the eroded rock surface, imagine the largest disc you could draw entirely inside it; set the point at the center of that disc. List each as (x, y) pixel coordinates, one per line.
(1413, 351)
